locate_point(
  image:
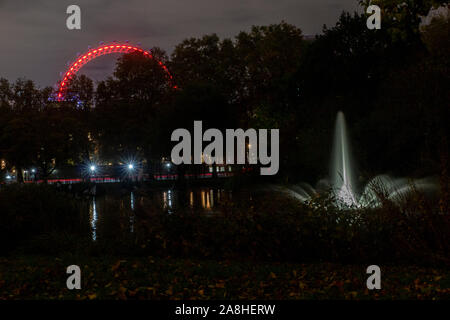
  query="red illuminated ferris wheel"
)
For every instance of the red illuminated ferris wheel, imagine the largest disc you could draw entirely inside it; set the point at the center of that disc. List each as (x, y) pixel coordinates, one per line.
(100, 51)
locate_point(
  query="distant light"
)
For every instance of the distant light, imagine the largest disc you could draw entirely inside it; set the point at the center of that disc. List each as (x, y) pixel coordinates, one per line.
(92, 168)
(130, 166)
(33, 170)
(168, 165)
(8, 177)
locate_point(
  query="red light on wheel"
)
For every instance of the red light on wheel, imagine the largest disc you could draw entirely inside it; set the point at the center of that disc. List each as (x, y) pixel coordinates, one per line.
(92, 54)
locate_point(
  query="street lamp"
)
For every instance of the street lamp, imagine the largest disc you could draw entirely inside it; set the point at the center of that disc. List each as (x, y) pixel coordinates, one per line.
(92, 168)
(130, 167)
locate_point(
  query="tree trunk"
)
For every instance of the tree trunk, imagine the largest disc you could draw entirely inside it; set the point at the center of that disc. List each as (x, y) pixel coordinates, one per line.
(19, 174)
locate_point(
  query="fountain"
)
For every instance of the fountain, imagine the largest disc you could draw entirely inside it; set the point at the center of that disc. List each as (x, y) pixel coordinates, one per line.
(342, 180)
(341, 174)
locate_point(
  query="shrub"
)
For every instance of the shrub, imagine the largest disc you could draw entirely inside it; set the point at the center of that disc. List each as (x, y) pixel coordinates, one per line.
(280, 229)
(35, 211)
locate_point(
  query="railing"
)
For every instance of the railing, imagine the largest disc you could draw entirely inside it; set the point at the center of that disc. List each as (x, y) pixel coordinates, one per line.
(161, 177)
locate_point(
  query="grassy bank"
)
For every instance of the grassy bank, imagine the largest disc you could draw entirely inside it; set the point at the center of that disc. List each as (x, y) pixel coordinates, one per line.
(154, 278)
(262, 246)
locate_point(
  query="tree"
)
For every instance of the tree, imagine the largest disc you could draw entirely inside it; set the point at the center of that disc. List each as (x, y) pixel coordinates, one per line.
(432, 35)
(37, 132)
(269, 56)
(64, 140)
(81, 92)
(21, 101)
(410, 121)
(17, 146)
(402, 17)
(248, 81)
(128, 107)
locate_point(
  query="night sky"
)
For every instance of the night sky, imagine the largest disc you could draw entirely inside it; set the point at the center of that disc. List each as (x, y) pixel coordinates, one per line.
(36, 43)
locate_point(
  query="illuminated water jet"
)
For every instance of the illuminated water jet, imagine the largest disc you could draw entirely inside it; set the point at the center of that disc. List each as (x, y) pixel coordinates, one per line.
(343, 185)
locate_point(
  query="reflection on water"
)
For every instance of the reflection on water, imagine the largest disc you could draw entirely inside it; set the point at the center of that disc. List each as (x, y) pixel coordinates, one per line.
(207, 201)
(115, 214)
(132, 214)
(93, 217)
(167, 200)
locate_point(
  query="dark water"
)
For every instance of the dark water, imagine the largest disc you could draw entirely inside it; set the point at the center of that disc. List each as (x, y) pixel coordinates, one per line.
(109, 215)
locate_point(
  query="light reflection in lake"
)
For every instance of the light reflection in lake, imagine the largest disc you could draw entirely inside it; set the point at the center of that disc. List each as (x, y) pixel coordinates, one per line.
(112, 214)
(132, 213)
(93, 217)
(168, 200)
